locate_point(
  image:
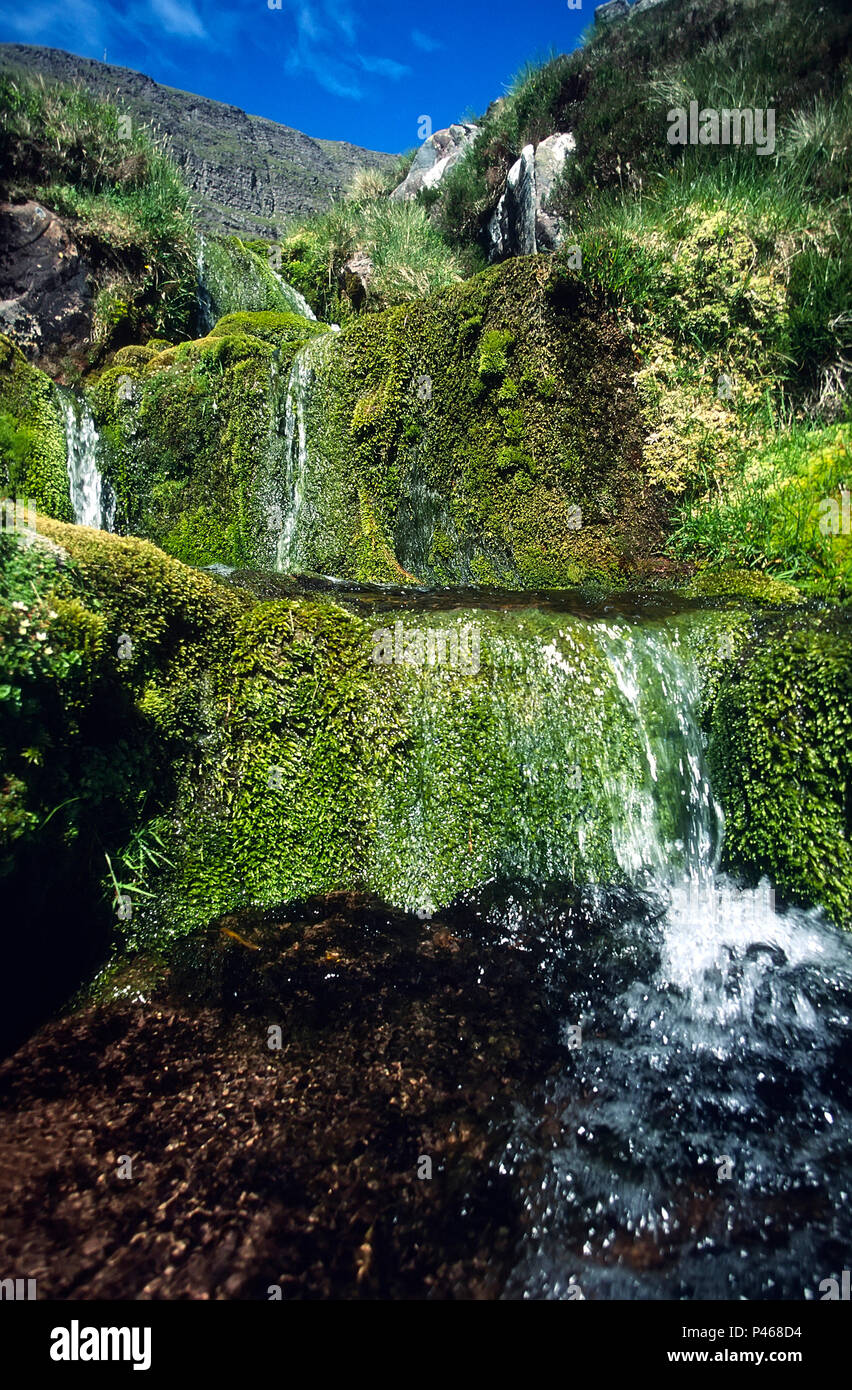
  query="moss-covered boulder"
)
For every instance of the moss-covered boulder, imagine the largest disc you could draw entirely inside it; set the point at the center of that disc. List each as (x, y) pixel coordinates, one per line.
(780, 751)
(241, 277)
(193, 437)
(487, 434)
(32, 435)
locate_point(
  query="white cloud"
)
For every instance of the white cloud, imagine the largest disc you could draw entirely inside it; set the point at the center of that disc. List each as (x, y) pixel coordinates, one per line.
(424, 42)
(383, 67)
(178, 17)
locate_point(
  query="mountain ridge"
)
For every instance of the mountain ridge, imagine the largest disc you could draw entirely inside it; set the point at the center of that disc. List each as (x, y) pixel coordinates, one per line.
(247, 174)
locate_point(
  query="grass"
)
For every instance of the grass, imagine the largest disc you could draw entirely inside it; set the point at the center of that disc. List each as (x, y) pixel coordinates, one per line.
(408, 256)
(120, 191)
(786, 512)
(613, 94)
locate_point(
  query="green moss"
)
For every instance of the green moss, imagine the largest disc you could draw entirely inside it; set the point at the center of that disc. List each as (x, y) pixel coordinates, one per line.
(494, 346)
(780, 734)
(239, 278)
(193, 440)
(32, 444)
(134, 356)
(745, 584)
(461, 478)
(272, 327)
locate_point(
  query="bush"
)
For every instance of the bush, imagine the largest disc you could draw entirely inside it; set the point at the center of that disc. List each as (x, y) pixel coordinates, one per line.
(409, 259)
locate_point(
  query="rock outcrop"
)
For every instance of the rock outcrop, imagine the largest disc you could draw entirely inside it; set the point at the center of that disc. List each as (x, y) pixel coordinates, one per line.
(246, 174)
(45, 296)
(522, 223)
(435, 156)
(613, 9)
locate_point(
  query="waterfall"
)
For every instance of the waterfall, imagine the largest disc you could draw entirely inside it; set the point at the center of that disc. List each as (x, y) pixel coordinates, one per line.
(595, 770)
(296, 301)
(205, 311)
(297, 456)
(92, 499)
(662, 688)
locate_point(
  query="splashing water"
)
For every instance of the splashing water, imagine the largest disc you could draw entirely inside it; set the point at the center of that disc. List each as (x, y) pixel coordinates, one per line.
(695, 1144)
(92, 498)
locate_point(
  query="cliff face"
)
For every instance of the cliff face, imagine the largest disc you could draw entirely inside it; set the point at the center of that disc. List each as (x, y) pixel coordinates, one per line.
(246, 174)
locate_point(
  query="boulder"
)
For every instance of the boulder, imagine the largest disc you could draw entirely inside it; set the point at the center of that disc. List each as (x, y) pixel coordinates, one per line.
(522, 223)
(435, 156)
(646, 5)
(45, 297)
(550, 159)
(354, 277)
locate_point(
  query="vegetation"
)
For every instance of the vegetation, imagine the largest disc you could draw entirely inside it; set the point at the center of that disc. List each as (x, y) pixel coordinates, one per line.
(403, 256)
(192, 439)
(122, 195)
(32, 435)
(730, 271)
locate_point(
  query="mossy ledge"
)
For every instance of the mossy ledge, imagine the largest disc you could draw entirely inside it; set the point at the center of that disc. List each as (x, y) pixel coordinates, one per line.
(176, 740)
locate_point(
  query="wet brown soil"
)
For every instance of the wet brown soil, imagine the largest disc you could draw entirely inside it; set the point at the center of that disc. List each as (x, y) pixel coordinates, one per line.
(254, 1166)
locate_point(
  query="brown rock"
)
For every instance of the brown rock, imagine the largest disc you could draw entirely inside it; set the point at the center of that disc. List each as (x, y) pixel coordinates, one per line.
(45, 297)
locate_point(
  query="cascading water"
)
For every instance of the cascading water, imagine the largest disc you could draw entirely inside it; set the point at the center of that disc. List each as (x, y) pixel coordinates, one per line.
(695, 1143)
(297, 458)
(92, 498)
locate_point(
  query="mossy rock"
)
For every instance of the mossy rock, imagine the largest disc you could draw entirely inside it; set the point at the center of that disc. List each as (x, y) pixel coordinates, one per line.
(744, 584)
(780, 730)
(193, 442)
(499, 416)
(135, 356)
(275, 328)
(32, 435)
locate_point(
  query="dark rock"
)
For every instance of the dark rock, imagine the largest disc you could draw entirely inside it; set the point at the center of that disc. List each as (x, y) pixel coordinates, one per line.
(45, 297)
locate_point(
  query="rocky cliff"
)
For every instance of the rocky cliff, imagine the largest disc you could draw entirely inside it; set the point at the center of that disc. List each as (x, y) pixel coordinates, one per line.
(246, 174)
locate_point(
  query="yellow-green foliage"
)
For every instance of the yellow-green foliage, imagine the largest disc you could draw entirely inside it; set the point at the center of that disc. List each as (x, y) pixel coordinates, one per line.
(785, 509)
(32, 435)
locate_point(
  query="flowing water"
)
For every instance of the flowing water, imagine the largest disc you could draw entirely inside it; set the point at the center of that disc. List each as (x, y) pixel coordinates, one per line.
(92, 498)
(298, 459)
(696, 1143)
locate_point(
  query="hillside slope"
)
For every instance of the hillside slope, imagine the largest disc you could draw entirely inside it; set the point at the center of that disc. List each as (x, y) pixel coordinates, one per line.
(246, 174)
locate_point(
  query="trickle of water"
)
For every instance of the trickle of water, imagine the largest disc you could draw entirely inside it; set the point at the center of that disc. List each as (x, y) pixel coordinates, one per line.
(92, 498)
(296, 452)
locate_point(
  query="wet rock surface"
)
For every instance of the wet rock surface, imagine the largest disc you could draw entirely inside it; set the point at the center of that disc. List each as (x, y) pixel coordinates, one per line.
(400, 1040)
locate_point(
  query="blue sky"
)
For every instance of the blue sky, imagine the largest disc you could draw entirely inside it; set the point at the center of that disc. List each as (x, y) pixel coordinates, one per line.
(359, 70)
